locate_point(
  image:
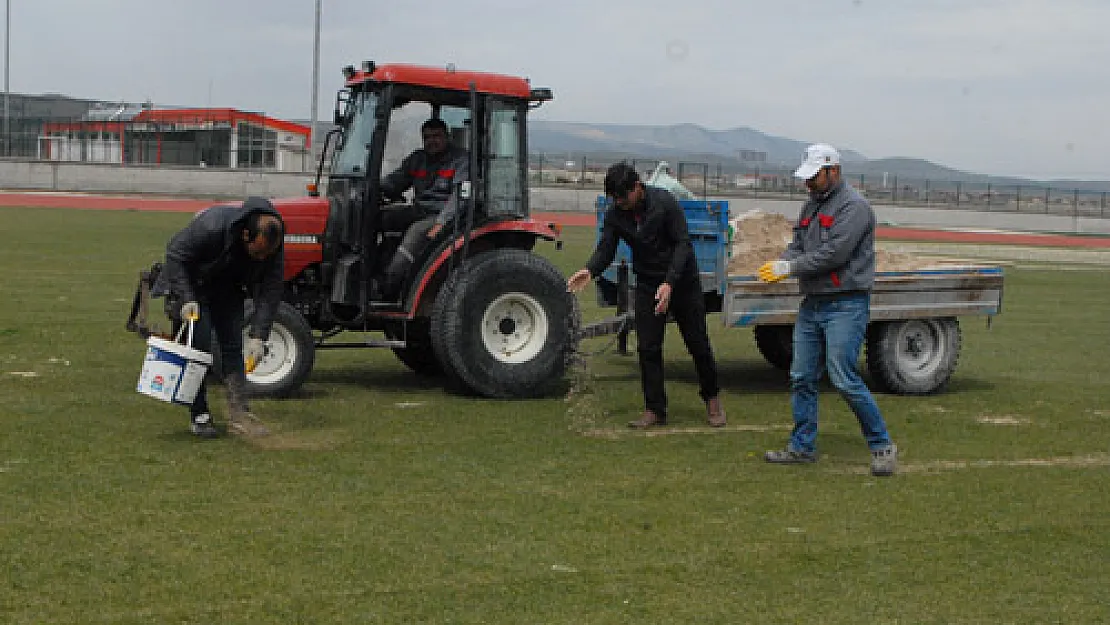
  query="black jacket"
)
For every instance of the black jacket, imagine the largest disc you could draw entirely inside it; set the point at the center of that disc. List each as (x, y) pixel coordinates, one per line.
(657, 234)
(208, 258)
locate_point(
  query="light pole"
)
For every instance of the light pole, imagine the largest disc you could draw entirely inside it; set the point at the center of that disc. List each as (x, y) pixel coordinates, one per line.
(7, 90)
(315, 85)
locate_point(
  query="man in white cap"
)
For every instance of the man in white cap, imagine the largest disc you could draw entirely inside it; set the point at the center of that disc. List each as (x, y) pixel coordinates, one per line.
(833, 257)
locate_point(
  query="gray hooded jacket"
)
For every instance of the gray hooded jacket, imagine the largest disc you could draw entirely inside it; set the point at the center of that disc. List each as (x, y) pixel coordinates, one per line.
(833, 250)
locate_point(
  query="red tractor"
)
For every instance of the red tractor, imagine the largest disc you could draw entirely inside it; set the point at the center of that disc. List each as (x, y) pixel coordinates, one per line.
(479, 309)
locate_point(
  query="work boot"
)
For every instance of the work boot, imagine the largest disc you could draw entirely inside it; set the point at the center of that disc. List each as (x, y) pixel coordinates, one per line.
(647, 420)
(715, 412)
(202, 427)
(241, 421)
(884, 462)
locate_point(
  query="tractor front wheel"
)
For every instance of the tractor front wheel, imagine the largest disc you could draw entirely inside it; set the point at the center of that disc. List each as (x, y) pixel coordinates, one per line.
(287, 361)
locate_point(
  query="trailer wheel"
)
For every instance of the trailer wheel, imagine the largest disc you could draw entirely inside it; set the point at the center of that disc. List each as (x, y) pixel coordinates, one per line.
(290, 353)
(418, 353)
(507, 325)
(776, 343)
(913, 357)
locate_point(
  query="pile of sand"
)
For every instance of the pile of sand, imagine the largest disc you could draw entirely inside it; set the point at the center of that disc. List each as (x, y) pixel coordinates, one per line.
(758, 237)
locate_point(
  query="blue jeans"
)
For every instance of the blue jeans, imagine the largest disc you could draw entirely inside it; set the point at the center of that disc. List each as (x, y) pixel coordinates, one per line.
(828, 334)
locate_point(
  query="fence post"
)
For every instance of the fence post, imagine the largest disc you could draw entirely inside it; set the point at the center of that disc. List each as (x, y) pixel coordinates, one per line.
(988, 197)
(1047, 193)
(926, 193)
(894, 191)
(958, 193)
(1017, 197)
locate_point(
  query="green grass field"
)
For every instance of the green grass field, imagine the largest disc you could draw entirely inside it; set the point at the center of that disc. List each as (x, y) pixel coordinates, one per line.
(384, 499)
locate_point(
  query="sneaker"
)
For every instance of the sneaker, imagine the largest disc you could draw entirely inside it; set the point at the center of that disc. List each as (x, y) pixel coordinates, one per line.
(789, 456)
(202, 427)
(647, 420)
(884, 462)
(715, 412)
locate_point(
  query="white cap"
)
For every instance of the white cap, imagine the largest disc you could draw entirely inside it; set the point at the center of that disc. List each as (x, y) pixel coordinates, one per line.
(818, 155)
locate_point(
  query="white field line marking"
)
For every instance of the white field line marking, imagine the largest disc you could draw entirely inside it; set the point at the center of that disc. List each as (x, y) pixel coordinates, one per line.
(936, 466)
(615, 433)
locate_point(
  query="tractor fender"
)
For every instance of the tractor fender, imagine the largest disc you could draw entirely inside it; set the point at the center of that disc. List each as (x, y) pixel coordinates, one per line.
(520, 234)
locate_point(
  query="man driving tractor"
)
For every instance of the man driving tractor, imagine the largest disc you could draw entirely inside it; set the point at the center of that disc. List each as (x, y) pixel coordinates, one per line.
(432, 173)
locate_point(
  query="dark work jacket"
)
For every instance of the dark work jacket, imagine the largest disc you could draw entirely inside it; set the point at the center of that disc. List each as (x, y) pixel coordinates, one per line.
(208, 258)
(432, 180)
(657, 235)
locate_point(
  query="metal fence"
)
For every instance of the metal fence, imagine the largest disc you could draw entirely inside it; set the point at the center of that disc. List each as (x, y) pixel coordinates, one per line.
(716, 179)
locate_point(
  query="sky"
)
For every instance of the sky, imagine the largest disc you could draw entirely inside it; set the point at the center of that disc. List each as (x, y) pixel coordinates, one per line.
(1004, 87)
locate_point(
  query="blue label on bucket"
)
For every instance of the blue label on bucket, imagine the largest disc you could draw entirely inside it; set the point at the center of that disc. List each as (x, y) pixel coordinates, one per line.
(169, 376)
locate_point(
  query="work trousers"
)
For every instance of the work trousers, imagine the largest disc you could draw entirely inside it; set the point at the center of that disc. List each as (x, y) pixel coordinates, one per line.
(220, 311)
(687, 307)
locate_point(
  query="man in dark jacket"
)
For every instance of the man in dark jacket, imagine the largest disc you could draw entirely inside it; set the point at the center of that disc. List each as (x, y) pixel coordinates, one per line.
(654, 226)
(225, 254)
(833, 257)
(431, 173)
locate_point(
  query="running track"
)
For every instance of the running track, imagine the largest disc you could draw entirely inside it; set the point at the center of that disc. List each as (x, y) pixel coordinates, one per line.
(139, 203)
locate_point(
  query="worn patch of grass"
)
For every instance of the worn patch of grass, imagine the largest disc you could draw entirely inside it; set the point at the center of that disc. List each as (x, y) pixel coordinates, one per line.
(385, 499)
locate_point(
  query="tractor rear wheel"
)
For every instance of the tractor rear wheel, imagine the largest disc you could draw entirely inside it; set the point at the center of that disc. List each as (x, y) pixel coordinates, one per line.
(505, 327)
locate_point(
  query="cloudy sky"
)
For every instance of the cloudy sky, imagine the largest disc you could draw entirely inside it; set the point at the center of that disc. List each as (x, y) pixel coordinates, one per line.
(1014, 87)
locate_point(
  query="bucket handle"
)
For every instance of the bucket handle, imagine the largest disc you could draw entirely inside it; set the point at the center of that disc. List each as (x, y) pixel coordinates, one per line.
(181, 330)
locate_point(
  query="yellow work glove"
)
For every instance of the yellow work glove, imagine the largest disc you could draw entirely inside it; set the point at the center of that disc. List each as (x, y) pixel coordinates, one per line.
(190, 311)
(774, 270)
(253, 351)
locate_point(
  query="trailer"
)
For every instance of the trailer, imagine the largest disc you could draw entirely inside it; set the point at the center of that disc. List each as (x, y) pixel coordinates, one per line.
(913, 340)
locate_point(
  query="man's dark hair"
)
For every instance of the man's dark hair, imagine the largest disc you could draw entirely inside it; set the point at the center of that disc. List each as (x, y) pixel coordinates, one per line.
(272, 229)
(434, 122)
(620, 179)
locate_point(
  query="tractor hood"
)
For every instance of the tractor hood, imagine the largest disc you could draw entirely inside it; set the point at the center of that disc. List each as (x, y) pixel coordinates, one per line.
(303, 215)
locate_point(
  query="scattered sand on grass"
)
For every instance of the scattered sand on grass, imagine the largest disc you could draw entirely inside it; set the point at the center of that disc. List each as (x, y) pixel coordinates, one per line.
(310, 440)
(758, 237)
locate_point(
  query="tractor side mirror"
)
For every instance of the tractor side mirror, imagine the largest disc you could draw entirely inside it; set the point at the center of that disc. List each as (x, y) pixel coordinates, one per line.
(464, 190)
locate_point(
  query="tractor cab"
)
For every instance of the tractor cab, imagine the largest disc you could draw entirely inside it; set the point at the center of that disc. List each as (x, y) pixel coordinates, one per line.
(378, 117)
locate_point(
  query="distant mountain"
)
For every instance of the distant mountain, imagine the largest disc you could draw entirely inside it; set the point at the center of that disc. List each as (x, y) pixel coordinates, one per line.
(740, 145)
(742, 149)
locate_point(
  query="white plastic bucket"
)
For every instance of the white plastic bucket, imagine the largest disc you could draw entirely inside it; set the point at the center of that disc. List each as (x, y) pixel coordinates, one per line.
(172, 372)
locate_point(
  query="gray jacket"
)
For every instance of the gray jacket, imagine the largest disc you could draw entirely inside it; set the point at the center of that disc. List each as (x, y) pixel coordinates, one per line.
(833, 249)
(432, 181)
(207, 259)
